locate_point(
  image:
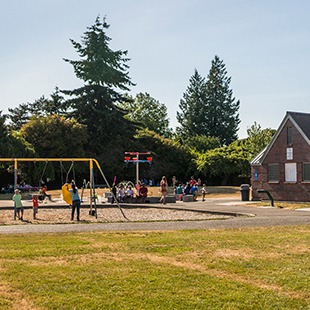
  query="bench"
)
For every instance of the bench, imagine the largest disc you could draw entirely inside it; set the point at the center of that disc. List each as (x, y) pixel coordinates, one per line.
(188, 198)
(107, 194)
(169, 199)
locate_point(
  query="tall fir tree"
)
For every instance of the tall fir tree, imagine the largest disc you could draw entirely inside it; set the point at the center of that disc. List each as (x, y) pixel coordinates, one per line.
(208, 107)
(3, 136)
(105, 73)
(191, 117)
(222, 118)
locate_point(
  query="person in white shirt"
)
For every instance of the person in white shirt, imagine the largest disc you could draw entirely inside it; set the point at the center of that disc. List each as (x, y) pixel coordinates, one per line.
(121, 193)
(129, 194)
(203, 191)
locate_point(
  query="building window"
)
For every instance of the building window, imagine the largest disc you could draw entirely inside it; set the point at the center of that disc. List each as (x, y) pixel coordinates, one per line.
(273, 173)
(289, 153)
(289, 136)
(291, 172)
(306, 172)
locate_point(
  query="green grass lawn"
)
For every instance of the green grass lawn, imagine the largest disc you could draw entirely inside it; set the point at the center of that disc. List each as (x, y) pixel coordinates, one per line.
(248, 268)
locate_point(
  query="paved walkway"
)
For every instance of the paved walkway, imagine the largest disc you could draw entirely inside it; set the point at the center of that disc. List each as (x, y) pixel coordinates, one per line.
(244, 216)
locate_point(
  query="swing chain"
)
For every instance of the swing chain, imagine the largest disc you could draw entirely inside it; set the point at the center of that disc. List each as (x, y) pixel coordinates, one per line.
(36, 170)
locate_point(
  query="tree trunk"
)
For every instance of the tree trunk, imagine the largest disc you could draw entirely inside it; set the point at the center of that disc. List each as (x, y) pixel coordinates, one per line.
(225, 179)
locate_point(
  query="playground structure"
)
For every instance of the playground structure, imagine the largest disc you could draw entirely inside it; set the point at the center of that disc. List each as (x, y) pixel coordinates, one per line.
(136, 161)
(91, 182)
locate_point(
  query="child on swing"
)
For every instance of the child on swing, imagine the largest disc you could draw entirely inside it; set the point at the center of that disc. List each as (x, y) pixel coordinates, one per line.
(35, 205)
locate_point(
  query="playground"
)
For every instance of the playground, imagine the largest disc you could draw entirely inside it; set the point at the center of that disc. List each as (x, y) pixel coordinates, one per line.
(58, 212)
(177, 256)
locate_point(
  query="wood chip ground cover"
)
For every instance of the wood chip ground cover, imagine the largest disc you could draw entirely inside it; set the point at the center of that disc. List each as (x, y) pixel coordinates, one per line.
(48, 216)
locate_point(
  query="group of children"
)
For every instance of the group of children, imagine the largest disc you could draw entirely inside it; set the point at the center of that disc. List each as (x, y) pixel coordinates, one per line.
(17, 198)
(127, 194)
(190, 188)
(122, 194)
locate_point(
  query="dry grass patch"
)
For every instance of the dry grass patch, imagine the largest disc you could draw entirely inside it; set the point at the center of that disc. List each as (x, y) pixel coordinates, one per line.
(246, 268)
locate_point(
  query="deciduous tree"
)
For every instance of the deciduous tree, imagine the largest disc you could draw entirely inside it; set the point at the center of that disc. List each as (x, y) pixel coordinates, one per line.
(226, 161)
(259, 138)
(55, 136)
(149, 112)
(202, 143)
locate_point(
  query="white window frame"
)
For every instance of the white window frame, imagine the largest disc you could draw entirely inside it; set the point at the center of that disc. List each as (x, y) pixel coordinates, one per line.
(289, 153)
(291, 172)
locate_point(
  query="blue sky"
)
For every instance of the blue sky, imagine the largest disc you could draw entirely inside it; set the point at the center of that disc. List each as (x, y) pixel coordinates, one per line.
(264, 44)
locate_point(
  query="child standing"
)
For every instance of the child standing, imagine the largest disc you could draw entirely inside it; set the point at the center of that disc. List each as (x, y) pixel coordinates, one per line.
(204, 191)
(17, 198)
(35, 205)
(76, 202)
(194, 190)
(163, 189)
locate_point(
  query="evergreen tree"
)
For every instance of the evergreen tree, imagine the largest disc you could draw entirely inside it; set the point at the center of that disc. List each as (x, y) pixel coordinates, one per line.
(104, 72)
(208, 107)
(41, 107)
(192, 106)
(18, 116)
(221, 115)
(4, 137)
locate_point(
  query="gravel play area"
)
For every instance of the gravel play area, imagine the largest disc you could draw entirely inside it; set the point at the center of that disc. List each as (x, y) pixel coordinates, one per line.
(46, 216)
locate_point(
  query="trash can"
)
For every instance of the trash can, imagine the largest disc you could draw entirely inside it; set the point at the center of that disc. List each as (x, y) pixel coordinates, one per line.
(245, 192)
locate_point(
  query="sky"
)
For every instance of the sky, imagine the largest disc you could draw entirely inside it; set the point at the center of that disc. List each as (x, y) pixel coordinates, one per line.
(264, 44)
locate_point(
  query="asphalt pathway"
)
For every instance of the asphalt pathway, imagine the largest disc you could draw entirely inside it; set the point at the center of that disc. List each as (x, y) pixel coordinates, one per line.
(243, 216)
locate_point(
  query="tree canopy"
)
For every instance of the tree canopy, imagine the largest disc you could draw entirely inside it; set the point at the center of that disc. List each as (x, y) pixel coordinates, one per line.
(259, 138)
(222, 118)
(208, 107)
(226, 161)
(54, 136)
(105, 72)
(202, 143)
(99, 119)
(192, 106)
(99, 64)
(22, 114)
(149, 112)
(169, 157)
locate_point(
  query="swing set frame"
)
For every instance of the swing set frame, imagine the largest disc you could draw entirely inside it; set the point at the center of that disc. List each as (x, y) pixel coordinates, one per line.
(91, 171)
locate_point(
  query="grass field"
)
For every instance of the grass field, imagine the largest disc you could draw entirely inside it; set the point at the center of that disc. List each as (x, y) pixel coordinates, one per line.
(248, 268)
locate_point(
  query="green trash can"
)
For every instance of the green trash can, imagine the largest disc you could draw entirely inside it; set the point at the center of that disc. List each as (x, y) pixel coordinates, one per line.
(245, 192)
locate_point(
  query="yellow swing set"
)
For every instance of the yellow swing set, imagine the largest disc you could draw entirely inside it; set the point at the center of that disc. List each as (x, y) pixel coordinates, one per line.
(66, 194)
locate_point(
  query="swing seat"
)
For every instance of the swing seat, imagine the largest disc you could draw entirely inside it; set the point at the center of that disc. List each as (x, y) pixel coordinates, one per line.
(66, 195)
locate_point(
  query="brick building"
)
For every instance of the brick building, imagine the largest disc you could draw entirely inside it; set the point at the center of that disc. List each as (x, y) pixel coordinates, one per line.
(283, 167)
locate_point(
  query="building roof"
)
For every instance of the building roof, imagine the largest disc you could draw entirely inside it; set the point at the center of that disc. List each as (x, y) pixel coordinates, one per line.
(302, 123)
(257, 159)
